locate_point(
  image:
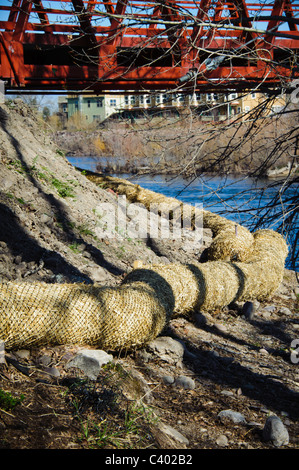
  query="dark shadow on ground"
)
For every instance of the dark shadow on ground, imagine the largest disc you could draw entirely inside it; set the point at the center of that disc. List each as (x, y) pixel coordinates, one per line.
(57, 207)
(227, 371)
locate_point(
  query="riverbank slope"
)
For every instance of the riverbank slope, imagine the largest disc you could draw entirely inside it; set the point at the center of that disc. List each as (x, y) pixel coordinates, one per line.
(186, 146)
(168, 395)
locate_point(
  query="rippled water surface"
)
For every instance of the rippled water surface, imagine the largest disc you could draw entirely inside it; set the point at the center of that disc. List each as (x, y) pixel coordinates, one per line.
(241, 199)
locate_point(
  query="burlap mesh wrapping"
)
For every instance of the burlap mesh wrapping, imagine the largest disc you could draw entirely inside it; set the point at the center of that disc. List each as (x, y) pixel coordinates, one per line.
(182, 281)
(261, 275)
(132, 314)
(216, 284)
(230, 240)
(35, 314)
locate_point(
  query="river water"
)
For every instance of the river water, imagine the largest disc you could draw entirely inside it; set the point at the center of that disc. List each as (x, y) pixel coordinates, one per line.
(242, 199)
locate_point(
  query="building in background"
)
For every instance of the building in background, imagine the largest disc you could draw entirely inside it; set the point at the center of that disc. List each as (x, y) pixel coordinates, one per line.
(207, 106)
(93, 107)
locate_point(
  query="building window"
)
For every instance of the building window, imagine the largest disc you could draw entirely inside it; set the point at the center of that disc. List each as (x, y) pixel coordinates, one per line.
(113, 102)
(99, 103)
(238, 109)
(126, 100)
(253, 96)
(233, 96)
(209, 96)
(148, 99)
(164, 98)
(247, 109)
(88, 103)
(158, 99)
(132, 100)
(141, 99)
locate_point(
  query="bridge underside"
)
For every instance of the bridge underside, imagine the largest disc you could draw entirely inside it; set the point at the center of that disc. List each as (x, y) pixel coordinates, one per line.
(105, 45)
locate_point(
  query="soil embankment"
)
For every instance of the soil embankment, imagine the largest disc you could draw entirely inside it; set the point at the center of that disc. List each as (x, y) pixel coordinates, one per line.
(173, 393)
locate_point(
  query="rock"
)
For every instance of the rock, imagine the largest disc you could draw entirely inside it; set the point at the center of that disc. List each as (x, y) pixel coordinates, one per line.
(230, 415)
(168, 379)
(275, 431)
(135, 387)
(44, 360)
(97, 274)
(220, 327)
(285, 311)
(167, 349)
(270, 308)
(263, 351)
(45, 219)
(248, 310)
(200, 319)
(185, 382)
(164, 260)
(22, 353)
(222, 441)
(53, 371)
(90, 361)
(266, 314)
(227, 393)
(173, 433)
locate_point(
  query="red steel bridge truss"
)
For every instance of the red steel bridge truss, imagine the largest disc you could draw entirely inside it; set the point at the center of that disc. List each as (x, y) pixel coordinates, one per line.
(98, 45)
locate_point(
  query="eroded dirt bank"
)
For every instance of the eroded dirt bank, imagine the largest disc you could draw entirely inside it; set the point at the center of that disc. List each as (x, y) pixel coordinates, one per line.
(168, 395)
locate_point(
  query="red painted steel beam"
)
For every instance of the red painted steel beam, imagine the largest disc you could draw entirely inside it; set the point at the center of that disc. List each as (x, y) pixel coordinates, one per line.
(219, 27)
(116, 29)
(22, 20)
(84, 18)
(43, 17)
(278, 9)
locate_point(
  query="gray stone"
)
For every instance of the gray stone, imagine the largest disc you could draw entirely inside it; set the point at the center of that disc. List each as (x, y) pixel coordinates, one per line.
(98, 274)
(168, 379)
(200, 319)
(263, 351)
(185, 382)
(45, 219)
(53, 371)
(173, 433)
(22, 353)
(220, 327)
(270, 308)
(168, 349)
(6, 183)
(90, 361)
(285, 311)
(136, 387)
(45, 360)
(231, 415)
(266, 314)
(248, 310)
(222, 441)
(227, 393)
(275, 431)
